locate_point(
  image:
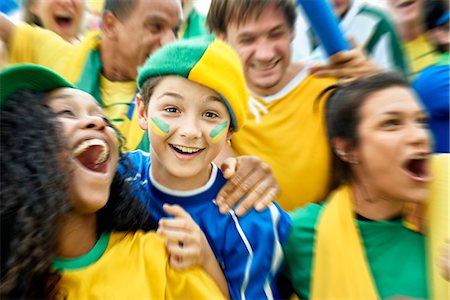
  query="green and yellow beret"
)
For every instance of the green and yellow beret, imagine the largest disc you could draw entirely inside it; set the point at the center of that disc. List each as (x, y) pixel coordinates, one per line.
(207, 61)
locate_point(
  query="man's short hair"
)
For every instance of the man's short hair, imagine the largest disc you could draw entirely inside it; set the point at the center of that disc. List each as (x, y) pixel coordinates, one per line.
(120, 8)
(223, 12)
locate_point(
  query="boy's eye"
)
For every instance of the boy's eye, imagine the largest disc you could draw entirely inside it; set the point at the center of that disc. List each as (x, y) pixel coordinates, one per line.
(171, 109)
(210, 114)
(424, 121)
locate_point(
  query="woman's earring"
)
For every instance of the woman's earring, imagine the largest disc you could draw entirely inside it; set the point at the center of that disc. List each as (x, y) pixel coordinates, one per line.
(346, 157)
(340, 153)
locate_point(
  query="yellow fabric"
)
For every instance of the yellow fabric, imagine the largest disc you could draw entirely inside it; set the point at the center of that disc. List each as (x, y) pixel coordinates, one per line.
(135, 133)
(116, 98)
(420, 54)
(220, 69)
(291, 139)
(135, 266)
(43, 47)
(68, 60)
(340, 266)
(438, 224)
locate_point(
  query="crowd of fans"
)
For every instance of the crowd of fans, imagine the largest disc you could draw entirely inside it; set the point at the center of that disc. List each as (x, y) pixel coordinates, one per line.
(224, 155)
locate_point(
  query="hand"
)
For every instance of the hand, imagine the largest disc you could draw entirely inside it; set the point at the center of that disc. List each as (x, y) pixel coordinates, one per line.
(349, 64)
(185, 241)
(249, 178)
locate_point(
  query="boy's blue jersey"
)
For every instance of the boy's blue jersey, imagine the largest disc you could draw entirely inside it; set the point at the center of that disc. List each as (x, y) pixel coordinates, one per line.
(248, 248)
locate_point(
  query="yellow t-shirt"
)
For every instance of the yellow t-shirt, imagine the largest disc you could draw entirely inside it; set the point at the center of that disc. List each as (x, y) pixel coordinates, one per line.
(39, 46)
(291, 139)
(131, 266)
(420, 54)
(116, 98)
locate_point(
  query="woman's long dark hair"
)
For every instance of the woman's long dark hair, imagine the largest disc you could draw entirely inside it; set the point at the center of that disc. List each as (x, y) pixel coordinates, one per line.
(34, 185)
(342, 113)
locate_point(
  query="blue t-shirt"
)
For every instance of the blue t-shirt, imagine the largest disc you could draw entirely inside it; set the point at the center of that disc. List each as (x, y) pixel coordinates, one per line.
(248, 248)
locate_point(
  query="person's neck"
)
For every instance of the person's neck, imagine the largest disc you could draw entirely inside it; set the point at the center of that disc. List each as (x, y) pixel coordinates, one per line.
(112, 66)
(374, 207)
(164, 178)
(292, 70)
(410, 31)
(77, 234)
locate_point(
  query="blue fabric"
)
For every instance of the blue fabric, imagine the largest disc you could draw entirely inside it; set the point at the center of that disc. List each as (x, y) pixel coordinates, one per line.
(433, 87)
(265, 231)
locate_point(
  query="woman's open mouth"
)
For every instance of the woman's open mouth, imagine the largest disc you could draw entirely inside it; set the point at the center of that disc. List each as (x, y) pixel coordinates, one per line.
(417, 168)
(93, 154)
(63, 19)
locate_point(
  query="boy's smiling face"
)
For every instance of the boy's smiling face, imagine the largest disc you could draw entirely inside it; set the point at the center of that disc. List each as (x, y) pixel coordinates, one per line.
(188, 124)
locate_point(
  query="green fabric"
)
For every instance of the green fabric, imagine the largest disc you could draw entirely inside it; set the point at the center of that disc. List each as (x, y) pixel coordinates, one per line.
(444, 59)
(396, 255)
(187, 53)
(144, 144)
(31, 77)
(61, 264)
(385, 28)
(90, 76)
(195, 25)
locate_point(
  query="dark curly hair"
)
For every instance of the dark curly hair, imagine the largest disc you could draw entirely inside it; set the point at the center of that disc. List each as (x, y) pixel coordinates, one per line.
(34, 194)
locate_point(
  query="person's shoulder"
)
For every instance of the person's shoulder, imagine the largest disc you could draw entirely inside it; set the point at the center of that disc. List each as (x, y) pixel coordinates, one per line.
(137, 156)
(431, 76)
(135, 160)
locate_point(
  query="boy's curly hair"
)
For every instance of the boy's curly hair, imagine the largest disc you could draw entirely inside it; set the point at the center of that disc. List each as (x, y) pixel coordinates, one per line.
(34, 185)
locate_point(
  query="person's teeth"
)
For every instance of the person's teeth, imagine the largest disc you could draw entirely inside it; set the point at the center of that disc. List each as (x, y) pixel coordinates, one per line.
(93, 142)
(419, 156)
(186, 149)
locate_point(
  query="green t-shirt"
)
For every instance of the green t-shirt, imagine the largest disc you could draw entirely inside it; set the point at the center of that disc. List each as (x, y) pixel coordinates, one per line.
(396, 255)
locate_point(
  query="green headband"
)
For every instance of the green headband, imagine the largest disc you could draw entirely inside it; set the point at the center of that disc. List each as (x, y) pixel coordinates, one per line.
(28, 77)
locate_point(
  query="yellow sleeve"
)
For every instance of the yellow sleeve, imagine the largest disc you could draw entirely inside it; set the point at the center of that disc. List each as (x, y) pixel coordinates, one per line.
(31, 44)
(192, 283)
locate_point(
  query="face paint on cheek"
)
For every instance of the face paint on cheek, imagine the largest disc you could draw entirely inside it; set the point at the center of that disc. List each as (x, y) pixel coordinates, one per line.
(218, 132)
(159, 127)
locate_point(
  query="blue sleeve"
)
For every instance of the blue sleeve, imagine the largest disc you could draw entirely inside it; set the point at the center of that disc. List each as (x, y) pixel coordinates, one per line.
(253, 252)
(433, 88)
(136, 168)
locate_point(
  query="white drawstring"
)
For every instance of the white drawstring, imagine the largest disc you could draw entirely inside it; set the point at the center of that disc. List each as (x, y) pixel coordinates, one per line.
(256, 109)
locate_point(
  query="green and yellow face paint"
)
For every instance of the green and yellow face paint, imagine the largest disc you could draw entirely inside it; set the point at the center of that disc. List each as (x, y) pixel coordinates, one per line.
(218, 132)
(159, 127)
